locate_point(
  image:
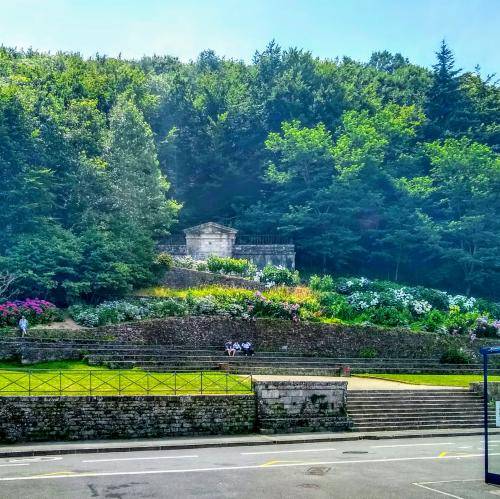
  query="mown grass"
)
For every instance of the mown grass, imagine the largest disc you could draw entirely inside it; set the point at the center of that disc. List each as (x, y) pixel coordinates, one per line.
(461, 380)
(73, 378)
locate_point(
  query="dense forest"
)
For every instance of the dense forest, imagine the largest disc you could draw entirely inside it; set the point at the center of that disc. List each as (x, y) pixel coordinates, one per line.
(382, 168)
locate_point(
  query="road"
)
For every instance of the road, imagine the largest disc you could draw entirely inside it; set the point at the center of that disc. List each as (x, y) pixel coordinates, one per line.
(409, 468)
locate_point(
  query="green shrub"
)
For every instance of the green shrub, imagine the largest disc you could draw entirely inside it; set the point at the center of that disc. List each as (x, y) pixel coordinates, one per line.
(438, 299)
(389, 316)
(367, 353)
(454, 355)
(165, 261)
(168, 307)
(433, 321)
(335, 305)
(231, 266)
(322, 283)
(458, 322)
(279, 276)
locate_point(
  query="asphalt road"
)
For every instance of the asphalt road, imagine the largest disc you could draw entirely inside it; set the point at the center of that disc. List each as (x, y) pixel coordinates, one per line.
(412, 468)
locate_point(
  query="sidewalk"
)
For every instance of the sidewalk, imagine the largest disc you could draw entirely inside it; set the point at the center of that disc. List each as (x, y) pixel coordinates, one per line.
(175, 443)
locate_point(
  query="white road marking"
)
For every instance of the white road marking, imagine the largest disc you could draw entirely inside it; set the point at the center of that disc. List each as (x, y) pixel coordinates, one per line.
(410, 445)
(283, 451)
(232, 468)
(466, 447)
(14, 464)
(136, 459)
(40, 459)
(425, 485)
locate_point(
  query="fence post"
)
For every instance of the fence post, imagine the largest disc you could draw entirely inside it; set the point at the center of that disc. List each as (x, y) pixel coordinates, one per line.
(119, 382)
(227, 382)
(201, 382)
(29, 382)
(90, 383)
(175, 382)
(60, 383)
(147, 382)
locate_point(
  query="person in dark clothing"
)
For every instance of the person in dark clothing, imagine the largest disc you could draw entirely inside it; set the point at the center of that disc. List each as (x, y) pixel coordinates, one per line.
(247, 348)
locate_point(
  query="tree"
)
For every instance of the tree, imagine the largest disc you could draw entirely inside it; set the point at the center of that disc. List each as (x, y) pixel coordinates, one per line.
(445, 101)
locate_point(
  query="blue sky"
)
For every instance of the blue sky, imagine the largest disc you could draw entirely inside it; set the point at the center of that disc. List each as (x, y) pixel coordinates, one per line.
(236, 28)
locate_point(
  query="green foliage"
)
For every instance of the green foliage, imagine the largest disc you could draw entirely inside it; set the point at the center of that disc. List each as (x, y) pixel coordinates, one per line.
(454, 355)
(279, 276)
(231, 266)
(389, 316)
(165, 261)
(367, 353)
(322, 283)
(382, 168)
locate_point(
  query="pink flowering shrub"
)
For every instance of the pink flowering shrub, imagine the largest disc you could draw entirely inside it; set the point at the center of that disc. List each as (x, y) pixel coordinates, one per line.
(35, 310)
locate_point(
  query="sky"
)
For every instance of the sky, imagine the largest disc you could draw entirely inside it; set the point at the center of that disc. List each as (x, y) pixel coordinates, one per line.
(237, 28)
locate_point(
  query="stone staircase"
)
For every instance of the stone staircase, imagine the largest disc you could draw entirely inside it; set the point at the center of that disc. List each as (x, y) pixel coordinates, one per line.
(414, 409)
(166, 357)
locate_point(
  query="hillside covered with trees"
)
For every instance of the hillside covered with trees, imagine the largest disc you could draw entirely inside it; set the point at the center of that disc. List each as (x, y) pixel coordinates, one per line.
(383, 168)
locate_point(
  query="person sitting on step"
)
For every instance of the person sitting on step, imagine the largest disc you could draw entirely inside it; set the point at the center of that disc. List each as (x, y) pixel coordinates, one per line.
(237, 348)
(247, 348)
(228, 346)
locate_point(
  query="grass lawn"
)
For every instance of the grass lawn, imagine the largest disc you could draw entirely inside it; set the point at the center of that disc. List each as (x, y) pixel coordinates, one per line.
(432, 379)
(77, 378)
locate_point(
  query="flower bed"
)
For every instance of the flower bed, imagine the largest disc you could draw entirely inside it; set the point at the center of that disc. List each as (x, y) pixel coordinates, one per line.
(212, 300)
(35, 310)
(391, 304)
(270, 275)
(329, 300)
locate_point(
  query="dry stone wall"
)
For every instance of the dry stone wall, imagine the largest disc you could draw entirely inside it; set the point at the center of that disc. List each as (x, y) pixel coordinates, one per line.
(178, 278)
(88, 418)
(291, 406)
(314, 339)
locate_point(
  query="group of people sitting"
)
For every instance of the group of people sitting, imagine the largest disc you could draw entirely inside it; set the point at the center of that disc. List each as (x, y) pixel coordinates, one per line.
(234, 347)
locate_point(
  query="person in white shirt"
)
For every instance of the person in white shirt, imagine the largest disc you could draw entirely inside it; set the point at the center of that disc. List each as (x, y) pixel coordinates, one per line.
(23, 325)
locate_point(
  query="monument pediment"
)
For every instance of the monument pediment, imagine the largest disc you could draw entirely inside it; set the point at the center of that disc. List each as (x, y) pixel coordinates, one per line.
(209, 228)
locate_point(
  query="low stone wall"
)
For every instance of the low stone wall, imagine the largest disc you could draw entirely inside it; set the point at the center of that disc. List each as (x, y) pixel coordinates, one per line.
(493, 389)
(267, 254)
(178, 278)
(291, 406)
(86, 418)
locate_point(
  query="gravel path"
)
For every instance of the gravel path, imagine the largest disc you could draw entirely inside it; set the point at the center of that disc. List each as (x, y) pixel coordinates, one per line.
(354, 383)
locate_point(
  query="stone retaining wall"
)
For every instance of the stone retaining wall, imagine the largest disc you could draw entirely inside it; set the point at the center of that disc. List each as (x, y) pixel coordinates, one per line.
(267, 335)
(178, 278)
(267, 254)
(86, 418)
(291, 406)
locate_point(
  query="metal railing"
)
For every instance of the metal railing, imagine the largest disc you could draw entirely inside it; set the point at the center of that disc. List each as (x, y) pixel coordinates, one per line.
(39, 382)
(263, 239)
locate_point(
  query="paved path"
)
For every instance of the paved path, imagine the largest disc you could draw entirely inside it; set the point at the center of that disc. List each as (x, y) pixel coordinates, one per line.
(391, 469)
(354, 383)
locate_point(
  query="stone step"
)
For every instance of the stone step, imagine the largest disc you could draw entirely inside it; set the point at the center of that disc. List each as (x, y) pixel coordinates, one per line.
(395, 427)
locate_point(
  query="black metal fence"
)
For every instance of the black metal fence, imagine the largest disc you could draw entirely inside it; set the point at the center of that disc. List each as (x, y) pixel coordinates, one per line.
(263, 239)
(105, 382)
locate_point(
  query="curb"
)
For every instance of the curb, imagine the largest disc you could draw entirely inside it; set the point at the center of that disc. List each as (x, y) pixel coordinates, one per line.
(250, 441)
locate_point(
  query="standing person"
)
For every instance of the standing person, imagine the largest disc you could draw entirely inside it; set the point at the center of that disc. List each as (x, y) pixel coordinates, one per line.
(23, 325)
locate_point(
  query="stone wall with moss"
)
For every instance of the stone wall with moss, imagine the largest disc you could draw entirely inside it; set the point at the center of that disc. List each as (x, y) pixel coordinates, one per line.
(315, 339)
(25, 419)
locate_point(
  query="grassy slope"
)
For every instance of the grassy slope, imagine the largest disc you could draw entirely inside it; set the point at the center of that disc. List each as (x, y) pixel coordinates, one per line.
(432, 379)
(77, 378)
